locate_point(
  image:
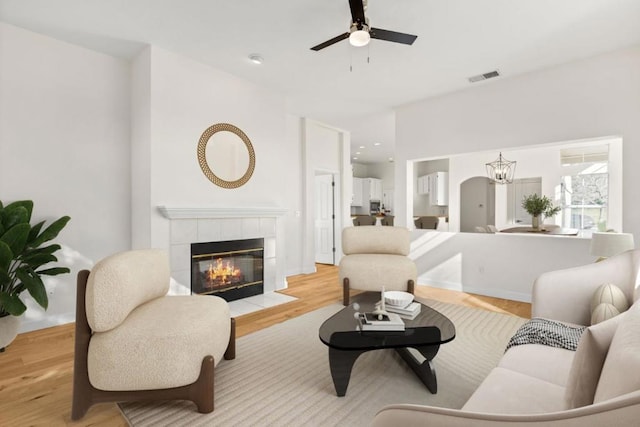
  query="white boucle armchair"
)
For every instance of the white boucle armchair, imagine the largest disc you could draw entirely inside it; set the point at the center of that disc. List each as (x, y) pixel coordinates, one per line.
(133, 342)
(376, 256)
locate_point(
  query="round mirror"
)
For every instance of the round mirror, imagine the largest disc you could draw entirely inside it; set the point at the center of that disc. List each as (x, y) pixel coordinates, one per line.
(226, 155)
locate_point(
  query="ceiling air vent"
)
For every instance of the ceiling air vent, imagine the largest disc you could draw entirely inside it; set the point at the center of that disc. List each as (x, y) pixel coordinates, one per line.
(485, 76)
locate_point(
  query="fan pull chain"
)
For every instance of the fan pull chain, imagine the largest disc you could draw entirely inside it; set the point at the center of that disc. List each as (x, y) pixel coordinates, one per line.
(350, 59)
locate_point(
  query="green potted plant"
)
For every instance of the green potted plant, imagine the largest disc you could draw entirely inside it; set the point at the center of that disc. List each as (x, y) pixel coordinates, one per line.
(23, 260)
(537, 207)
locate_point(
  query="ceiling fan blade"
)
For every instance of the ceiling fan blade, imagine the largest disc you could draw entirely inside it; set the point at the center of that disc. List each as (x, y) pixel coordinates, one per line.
(392, 36)
(357, 11)
(330, 42)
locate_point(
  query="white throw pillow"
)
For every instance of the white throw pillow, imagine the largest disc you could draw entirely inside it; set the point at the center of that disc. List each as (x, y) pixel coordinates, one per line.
(587, 362)
(602, 312)
(620, 370)
(610, 294)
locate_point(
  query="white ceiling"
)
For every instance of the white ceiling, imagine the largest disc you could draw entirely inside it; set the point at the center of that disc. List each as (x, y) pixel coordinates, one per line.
(456, 39)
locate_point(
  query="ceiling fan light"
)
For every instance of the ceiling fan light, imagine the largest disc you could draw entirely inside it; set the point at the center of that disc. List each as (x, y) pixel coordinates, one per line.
(359, 38)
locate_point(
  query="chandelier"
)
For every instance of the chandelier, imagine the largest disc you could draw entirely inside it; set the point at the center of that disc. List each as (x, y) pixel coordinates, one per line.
(501, 170)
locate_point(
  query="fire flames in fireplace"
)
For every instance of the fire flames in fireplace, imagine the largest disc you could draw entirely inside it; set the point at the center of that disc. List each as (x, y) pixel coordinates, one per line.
(222, 273)
(230, 269)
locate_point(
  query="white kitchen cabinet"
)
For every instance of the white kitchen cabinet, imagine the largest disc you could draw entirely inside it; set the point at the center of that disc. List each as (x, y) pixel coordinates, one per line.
(439, 189)
(423, 185)
(365, 190)
(357, 192)
(372, 188)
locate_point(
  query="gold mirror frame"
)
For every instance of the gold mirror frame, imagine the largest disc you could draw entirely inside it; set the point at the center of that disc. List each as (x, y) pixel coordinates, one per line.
(202, 158)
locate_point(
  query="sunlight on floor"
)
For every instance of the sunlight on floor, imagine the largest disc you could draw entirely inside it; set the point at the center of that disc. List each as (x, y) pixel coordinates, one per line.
(477, 302)
(498, 305)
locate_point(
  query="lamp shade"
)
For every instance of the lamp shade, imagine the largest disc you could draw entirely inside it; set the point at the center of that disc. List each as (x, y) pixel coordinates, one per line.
(610, 244)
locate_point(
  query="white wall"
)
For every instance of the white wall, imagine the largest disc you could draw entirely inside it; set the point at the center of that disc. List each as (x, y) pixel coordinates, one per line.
(384, 171)
(64, 143)
(360, 170)
(186, 97)
(596, 97)
(498, 265)
(141, 150)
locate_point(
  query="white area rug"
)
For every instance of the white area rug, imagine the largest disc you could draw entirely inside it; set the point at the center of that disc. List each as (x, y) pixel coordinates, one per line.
(281, 376)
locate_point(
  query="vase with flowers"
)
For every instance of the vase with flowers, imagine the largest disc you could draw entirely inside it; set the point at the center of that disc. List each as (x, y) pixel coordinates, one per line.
(539, 207)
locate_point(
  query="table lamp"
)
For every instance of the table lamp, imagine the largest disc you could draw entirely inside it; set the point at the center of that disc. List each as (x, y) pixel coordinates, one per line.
(604, 245)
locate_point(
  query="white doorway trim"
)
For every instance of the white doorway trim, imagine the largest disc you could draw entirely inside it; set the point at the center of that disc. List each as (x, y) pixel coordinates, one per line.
(341, 171)
(325, 218)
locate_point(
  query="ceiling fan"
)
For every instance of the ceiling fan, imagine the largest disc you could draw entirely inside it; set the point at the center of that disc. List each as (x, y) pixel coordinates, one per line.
(360, 32)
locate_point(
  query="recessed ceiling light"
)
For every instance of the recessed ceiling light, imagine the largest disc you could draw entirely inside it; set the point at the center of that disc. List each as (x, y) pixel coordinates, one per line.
(357, 152)
(256, 59)
(377, 143)
(391, 159)
(362, 146)
(355, 158)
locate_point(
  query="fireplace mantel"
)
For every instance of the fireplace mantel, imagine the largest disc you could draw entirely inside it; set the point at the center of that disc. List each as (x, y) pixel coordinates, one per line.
(220, 212)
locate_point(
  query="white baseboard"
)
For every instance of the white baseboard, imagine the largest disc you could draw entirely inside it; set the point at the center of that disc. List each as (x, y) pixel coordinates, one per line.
(294, 272)
(489, 292)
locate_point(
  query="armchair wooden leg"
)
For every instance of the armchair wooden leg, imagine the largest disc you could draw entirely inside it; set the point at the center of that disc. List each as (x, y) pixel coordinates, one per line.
(202, 391)
(411, 287)
(81, 401)
(230, 353)
(345, 291)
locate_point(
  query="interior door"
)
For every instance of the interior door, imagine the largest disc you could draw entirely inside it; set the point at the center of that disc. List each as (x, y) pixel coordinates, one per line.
(519, 189)
(324, 231)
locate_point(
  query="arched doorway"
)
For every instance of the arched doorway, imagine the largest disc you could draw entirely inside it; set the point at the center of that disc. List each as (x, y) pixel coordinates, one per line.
(477, 203)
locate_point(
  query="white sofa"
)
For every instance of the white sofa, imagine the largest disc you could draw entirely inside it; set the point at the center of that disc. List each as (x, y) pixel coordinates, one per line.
(537, 385)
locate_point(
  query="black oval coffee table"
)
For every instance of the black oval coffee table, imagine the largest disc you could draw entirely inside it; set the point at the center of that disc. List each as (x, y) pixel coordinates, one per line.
(346, 342)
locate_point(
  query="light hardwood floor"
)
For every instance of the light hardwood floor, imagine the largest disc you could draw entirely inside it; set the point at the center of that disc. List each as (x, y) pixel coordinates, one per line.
(36, 370)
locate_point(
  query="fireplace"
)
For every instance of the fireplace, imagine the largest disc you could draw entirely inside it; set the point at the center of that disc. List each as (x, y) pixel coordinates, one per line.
(231, 269)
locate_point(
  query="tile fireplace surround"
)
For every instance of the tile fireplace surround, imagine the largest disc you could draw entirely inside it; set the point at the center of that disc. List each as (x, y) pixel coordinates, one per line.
(210, 224)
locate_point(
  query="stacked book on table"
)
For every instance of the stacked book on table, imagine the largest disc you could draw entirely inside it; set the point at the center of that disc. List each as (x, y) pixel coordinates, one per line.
(380, 322)
(409, 312)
